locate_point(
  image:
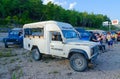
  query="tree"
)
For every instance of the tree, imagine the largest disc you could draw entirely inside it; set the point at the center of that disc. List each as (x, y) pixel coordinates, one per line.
(25, 11)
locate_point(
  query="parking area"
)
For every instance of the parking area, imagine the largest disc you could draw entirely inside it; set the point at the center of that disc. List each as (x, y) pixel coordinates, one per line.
(17, 63)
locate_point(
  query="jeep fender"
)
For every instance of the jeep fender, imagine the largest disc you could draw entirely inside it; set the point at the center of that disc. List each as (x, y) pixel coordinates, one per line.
(73, 51)
(34, 46)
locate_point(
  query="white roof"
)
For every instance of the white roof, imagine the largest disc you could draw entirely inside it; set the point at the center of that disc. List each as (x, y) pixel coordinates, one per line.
(42, 24)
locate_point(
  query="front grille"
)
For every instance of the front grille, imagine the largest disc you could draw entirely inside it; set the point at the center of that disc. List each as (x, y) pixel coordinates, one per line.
(12, 40)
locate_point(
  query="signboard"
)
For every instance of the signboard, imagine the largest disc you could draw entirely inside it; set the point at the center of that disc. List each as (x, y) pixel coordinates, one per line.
(115, 22)
(105, 23)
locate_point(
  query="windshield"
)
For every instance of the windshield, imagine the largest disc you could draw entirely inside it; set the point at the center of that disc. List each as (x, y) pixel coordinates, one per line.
(15, 32)
(69, 34)
(85, 34)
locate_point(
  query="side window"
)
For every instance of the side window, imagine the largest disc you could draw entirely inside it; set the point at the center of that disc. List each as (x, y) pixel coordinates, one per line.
(27, 32)
(56, 36)
(33, 32)
(37, 31)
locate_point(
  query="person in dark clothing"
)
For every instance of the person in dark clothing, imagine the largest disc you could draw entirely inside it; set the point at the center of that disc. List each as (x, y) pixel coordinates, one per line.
(93, 37)
(97, 38)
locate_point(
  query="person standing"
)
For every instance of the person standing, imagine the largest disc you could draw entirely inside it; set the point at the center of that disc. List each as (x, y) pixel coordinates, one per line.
(109, 40)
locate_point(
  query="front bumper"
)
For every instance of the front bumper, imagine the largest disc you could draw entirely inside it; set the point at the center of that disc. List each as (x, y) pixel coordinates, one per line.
(12, 41)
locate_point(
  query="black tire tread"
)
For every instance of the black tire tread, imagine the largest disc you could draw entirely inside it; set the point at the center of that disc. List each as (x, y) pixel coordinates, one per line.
(83, 67)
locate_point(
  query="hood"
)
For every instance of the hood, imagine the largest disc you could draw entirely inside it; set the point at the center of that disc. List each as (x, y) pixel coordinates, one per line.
(82, 42)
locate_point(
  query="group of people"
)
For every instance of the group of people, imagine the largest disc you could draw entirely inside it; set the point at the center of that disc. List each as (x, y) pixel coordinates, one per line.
(109, 38)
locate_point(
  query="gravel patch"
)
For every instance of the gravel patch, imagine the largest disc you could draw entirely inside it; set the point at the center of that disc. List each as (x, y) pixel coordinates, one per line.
(20, 65)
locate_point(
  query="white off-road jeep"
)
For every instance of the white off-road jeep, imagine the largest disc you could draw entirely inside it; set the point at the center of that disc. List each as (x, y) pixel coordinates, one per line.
(59, 39)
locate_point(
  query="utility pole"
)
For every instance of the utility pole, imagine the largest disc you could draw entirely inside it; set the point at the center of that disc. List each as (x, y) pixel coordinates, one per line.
(109, 26)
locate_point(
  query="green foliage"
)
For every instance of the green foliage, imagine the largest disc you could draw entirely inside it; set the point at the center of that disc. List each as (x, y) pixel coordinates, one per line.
(26, 11)
(7, 54)
(17, 74)
(14, 76)
(53, 72)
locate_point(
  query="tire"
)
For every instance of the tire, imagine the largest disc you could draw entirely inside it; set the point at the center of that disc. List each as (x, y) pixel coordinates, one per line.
(5, 43)
(36, 54)
(78, 62)
(21, 45)
(6, 46)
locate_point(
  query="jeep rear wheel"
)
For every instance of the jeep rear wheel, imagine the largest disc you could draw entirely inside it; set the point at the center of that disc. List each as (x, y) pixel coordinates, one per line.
(78, 62)
(36, 54)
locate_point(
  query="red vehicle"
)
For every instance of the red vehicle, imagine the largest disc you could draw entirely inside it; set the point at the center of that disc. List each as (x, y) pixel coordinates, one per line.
(118, 36)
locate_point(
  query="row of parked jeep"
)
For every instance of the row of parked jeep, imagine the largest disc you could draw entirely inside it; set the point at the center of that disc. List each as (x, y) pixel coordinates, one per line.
(15, 36)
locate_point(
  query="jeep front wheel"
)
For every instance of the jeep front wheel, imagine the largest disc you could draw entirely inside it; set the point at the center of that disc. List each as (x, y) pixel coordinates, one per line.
(36, 54)
(78, 62)
(6, 45)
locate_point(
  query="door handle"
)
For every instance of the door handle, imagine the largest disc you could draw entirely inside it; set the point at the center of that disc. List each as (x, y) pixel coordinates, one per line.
(52, 45)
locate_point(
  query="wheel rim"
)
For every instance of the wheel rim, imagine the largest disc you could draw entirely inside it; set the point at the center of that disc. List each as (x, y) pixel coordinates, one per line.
(77, 62)
(36, 54)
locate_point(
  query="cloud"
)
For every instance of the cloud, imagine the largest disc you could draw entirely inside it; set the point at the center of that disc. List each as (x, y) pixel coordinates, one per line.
(47, 1)
(54, 2)
(61, 3)
(71, 6)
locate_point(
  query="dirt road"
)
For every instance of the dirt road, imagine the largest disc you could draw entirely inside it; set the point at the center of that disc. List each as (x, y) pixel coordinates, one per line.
(17, 63)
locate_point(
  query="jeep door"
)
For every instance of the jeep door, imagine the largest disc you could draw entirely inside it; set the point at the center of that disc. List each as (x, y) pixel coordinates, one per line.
(56, 44)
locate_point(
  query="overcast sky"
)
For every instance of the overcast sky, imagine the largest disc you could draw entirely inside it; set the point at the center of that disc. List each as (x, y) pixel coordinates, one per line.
(105, 7)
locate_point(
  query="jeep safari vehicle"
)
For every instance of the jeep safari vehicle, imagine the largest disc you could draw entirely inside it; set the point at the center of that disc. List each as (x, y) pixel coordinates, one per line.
(14, 37)
(59, 39)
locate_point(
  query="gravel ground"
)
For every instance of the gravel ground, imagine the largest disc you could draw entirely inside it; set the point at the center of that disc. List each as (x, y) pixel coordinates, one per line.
(17, 63)
(3, 35)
